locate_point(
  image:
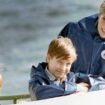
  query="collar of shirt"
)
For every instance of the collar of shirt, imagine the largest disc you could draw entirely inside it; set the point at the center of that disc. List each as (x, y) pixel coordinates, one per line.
(50, 75)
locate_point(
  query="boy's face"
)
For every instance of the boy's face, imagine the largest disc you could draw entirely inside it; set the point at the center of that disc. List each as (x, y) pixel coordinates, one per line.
(58, 67)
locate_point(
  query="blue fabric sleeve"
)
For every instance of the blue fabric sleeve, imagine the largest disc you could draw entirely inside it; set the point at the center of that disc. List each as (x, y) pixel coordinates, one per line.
(97, 83)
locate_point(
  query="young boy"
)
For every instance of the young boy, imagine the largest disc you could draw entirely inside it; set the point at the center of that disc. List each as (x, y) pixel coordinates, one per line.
(53, 78)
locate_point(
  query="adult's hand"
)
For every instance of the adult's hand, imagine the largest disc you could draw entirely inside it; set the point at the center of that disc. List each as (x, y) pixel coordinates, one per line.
(82, 87)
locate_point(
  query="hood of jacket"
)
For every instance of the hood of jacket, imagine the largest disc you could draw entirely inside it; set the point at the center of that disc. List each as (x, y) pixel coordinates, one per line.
(39, 71)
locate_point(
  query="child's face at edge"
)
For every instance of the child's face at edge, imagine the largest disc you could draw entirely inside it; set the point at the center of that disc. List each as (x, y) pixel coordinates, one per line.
(58, 67)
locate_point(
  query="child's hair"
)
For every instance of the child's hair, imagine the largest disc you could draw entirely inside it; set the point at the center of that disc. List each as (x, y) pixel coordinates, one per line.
(62, 47)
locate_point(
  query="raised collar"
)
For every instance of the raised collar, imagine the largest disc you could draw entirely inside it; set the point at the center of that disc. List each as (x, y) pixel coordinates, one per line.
(50, 75)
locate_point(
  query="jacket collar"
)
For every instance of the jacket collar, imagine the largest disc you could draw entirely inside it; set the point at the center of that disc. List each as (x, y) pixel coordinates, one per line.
(39, 70)
(50, 75)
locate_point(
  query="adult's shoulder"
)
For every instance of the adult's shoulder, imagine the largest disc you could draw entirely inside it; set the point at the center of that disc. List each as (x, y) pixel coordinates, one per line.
(88, 23)
(84, 21)
(69, 28)
(91, 17)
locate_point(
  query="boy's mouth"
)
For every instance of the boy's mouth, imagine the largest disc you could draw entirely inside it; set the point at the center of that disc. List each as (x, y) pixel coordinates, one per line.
(60, 72)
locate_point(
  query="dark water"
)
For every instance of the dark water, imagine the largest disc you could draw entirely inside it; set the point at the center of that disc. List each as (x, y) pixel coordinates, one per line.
(26, 28)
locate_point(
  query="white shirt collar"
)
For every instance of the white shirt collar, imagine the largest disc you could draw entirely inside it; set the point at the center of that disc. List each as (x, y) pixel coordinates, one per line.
(50, 75)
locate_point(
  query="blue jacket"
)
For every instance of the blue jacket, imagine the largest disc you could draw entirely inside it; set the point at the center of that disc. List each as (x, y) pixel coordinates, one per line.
(41, 87)
(89, 45)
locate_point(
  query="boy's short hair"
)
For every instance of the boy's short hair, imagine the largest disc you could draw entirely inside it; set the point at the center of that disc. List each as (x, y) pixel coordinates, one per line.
(102, 8)
(63, 48)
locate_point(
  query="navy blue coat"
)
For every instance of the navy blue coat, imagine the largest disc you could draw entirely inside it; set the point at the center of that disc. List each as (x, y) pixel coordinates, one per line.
(41, 87)
(89, 46)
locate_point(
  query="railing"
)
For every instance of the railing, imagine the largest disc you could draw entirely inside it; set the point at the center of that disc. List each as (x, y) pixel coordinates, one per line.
(15, 97)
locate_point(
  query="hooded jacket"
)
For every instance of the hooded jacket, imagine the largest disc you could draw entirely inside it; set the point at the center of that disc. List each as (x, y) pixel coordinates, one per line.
(89, 45)
(41, 87)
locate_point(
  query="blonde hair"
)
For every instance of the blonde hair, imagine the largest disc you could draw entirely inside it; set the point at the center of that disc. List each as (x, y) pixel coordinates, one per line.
(63, 48)
(102, 8)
